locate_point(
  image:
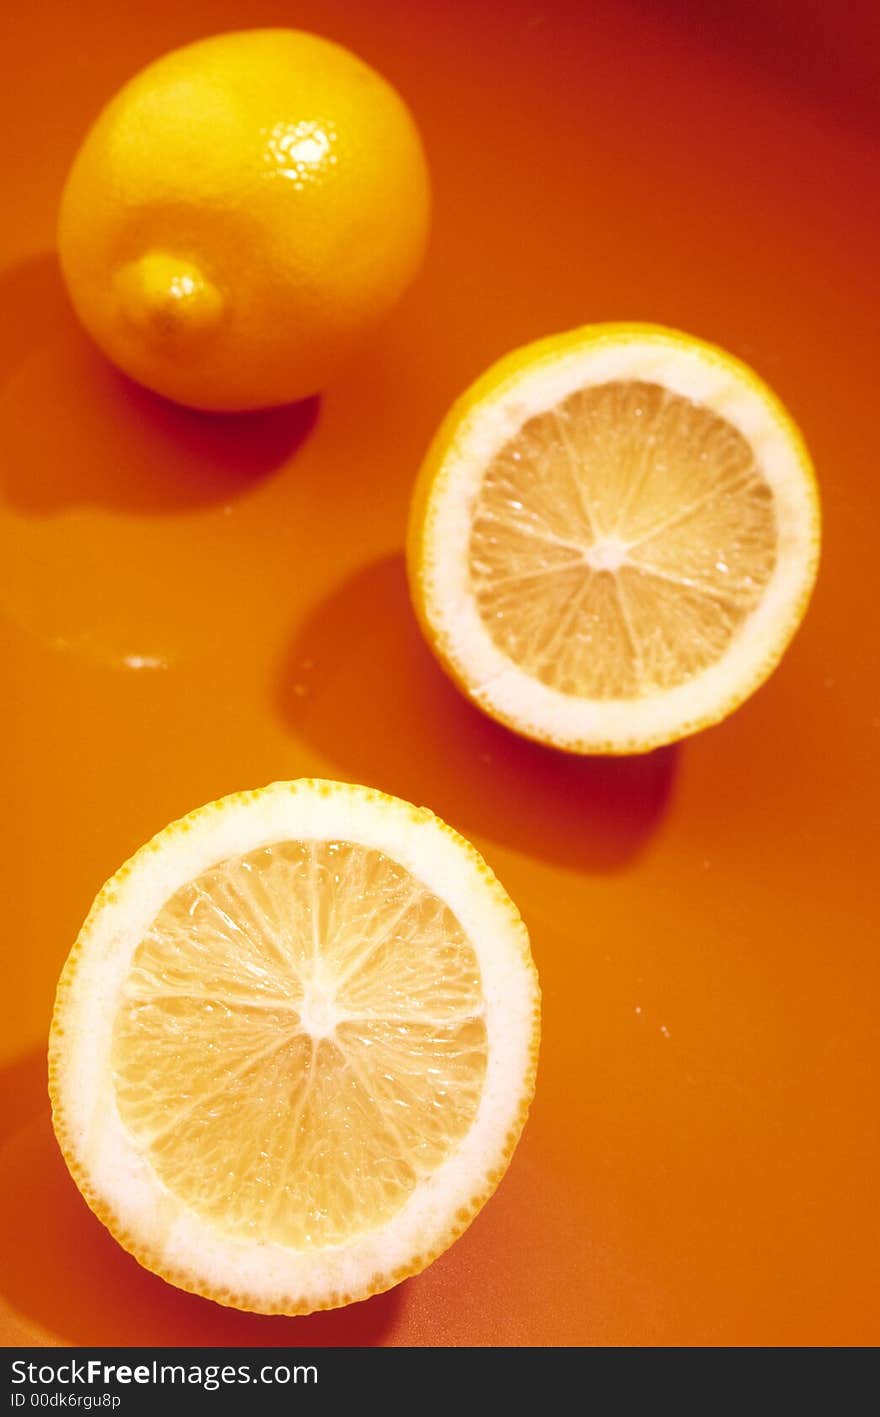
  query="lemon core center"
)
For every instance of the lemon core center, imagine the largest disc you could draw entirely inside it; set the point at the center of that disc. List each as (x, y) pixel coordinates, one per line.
(318, 1013)
(606, 554)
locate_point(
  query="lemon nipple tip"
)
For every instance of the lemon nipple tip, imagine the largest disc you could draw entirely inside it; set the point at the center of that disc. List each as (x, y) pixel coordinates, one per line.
(169, 296)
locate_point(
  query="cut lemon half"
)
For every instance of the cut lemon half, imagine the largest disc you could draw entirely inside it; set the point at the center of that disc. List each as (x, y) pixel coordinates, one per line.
(613, 538)
(294, 1046)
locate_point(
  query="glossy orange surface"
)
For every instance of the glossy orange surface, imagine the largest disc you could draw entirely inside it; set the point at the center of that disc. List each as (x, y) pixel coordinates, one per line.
(192, 605)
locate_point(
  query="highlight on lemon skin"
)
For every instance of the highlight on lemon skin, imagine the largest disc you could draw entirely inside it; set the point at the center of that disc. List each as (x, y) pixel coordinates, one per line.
(613, 538)
(294, 1046)
(242, 216)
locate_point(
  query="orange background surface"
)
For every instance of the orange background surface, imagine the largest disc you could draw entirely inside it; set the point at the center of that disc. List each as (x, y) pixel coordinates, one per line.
(189, 606)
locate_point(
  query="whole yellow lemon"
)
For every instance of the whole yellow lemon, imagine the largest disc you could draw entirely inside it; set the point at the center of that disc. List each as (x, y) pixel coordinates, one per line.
(241, 214)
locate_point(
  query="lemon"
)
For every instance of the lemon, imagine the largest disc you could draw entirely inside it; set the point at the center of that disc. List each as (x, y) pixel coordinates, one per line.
(613, 538)
(294, 1046)
(241, 213)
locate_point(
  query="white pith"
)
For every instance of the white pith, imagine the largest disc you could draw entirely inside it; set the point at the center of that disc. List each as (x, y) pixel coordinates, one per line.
(501, 686)
(105, 1153)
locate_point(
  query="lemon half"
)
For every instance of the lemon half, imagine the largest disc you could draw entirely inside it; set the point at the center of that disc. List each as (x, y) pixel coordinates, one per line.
(614, 537)
(294, 1046)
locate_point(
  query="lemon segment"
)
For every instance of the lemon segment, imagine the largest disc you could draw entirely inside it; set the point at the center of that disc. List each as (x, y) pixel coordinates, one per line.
(613, 538)
(294, 1046)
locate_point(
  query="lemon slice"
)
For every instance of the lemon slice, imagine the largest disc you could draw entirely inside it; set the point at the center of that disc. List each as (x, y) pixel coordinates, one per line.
(614, 537)
(294, 1046)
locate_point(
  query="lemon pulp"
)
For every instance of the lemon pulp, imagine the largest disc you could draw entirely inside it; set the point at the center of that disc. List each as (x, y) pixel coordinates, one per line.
(300, 1041)
(619, 540)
